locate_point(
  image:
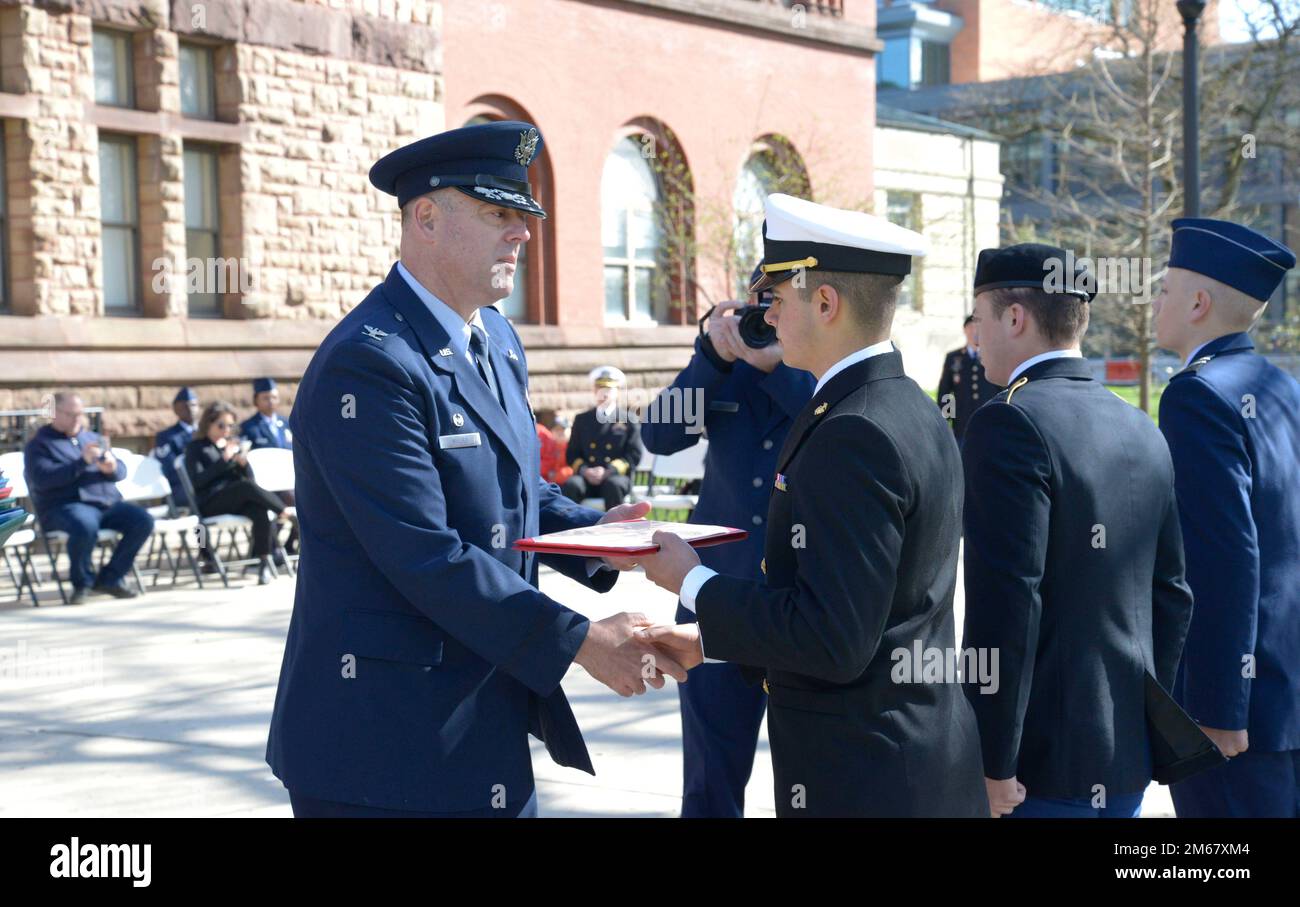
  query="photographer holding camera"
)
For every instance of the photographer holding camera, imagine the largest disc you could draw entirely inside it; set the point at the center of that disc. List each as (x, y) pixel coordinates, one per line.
(750, 400)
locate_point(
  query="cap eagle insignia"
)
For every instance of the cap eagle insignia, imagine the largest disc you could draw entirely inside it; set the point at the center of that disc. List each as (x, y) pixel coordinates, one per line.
(527, 147)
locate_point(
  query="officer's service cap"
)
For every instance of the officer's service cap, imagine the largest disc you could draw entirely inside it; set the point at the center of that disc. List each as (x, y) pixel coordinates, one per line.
(1033, 265)
(802, 235)
(1238, 256)
(261, 385)
(488, 161)
(607, 376)
(185, 395)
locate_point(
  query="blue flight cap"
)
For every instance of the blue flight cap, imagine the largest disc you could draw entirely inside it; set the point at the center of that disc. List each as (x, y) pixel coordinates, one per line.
(1238, 256)
(488, 162)
(185, 395)
(261, 385)
(1033, 264)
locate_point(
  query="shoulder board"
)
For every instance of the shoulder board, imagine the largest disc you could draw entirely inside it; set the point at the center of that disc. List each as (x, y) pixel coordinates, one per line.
(1019, 383)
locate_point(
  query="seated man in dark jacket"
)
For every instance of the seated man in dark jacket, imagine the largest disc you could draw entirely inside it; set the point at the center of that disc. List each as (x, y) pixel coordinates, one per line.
(223, 483)
(72, 476)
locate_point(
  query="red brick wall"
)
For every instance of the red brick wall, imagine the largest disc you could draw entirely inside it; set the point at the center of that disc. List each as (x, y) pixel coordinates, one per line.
(584, 71)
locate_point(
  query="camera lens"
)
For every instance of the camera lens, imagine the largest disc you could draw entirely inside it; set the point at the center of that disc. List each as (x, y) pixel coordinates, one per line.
(754, 330)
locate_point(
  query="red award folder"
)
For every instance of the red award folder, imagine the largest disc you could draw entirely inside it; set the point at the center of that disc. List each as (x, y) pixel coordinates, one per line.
(626, 538)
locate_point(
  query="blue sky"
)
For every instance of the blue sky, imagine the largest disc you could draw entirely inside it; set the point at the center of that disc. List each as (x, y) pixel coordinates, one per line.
(1232, 23)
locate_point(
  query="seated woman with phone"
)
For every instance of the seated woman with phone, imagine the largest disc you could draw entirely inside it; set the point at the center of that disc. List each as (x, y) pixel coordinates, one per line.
(218, 469)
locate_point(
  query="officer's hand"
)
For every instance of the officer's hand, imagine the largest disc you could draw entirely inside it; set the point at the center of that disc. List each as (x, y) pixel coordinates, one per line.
(625, 512)
(1230, 743)
(765, 359)
(1004, 796)
(621, 662)
(680, 642)
(668, 566)
(594, 474)
(90, 453)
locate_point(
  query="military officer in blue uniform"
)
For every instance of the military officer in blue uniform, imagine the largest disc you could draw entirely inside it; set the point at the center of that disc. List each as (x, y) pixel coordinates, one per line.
(860, 555)
(1074, 560)
(963, 386)
(266, 428)
(747, 399)
(170, 443)
(420, 653)
(1232, 420)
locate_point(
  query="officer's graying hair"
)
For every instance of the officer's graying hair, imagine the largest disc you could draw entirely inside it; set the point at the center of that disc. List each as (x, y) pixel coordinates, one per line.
(872, 298)
(1061, 318)
(408, 210)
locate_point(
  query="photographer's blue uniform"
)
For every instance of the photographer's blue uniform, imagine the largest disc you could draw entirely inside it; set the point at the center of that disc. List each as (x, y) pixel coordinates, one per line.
(746, 414)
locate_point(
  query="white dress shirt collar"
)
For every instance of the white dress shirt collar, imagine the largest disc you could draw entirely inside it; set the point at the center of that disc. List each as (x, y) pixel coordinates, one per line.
(1042, 357)
(884, 346)
(457, 328)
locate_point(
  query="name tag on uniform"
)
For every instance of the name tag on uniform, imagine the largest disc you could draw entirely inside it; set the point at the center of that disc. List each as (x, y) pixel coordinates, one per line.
(724, 406)
(470, 439)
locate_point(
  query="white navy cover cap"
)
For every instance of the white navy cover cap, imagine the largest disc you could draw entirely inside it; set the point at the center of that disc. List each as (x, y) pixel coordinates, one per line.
(799, 234)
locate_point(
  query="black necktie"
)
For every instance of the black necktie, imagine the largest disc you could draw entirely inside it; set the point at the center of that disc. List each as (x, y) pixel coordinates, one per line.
(478, 346)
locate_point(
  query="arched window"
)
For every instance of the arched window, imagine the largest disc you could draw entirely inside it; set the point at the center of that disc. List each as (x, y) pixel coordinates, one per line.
(773, 166)
(632, 235)
(757, 181)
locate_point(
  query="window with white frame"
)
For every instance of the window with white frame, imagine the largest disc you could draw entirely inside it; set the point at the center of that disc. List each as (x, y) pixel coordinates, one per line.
(631, 234)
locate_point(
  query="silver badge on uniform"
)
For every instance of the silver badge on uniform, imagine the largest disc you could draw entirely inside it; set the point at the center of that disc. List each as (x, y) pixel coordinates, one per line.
(457, 420)
(450, 442)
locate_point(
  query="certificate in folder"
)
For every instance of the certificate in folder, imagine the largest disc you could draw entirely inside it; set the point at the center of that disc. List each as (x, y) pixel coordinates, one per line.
(626, 538)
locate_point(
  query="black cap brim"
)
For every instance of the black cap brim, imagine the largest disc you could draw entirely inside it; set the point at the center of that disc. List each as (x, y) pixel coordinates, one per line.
(521, 201)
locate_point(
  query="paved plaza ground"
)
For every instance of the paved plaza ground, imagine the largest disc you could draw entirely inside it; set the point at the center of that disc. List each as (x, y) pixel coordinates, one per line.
(169, 714)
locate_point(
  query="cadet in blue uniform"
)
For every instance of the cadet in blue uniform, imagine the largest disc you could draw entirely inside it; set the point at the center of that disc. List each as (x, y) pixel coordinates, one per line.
(420, 653)
(1232, 421)
(170, 443)
(603, 450)
(860, 558)
(749, 398)
(1074, 561)
(266, 428)
(963, 386)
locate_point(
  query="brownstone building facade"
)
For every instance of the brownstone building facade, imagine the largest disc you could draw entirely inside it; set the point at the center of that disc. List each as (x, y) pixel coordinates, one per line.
(185, 193)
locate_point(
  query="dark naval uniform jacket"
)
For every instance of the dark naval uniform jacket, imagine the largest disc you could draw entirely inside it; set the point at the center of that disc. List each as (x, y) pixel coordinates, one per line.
(420, 653)
(1232, 420)
(613, 445)
(861, 561)
(1074, 574)
(963, 378)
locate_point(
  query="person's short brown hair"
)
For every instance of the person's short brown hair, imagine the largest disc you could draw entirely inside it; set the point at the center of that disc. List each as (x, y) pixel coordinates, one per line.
(545, 418)
(871, 298)
(211, 413)
(1062, 318)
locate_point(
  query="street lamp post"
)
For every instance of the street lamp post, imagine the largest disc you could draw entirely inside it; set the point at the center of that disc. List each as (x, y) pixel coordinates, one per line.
(1191, 11)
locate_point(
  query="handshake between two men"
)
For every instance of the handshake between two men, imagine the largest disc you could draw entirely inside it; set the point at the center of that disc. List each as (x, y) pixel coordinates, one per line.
(628, 651)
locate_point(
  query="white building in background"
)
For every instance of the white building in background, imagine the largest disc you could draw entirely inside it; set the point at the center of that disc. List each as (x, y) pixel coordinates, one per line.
(943, 180)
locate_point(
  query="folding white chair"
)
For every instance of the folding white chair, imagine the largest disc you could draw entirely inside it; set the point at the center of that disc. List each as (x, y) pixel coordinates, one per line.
(273, 471)
(145, 481)
(214, 526)
(19, 545)
(670, 473)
